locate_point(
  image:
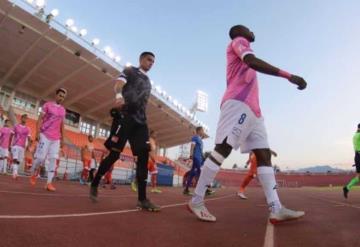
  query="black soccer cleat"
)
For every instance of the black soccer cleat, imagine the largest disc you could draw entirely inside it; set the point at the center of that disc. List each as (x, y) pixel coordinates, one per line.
(93, 193)
(345, 191)
(147, 205)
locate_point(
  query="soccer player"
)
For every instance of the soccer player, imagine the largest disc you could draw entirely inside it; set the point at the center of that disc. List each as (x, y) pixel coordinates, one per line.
(130, 124)
(19, 137)
(152, 163)
(50, 136)
(241, 125)
(252, 173)
(355, 180)
(196, 155)
(5, 134)
(87, 156)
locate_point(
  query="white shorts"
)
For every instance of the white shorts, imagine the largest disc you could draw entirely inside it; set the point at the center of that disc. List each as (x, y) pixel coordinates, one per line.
(47, 148)
(18, 153)
(93, 164)
(241, 127)
(4, 152)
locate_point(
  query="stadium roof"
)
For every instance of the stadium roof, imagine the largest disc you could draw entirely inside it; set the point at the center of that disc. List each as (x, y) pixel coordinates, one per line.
(38, 57)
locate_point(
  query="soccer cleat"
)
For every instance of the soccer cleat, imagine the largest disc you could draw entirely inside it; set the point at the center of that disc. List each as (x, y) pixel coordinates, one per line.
(345, 192)
(285, 214)
(156, 190)
(50, 187)
(33, 180)
(112, 187)
(93, 193)
(134, 186)
(201, 211)
(147, 205)
(209, 192)
(187, 192)
(15, 177)
(242, 195)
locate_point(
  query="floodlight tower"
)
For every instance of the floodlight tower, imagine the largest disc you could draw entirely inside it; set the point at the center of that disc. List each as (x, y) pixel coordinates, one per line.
(200, 105)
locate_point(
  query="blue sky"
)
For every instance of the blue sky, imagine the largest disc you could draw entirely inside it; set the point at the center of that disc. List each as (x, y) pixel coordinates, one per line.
(318, 40)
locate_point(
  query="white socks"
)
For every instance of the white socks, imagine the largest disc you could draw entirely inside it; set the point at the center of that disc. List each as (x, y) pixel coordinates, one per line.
(266, 177)
(51, 170)
(15, 168)
(35, 165)
(208, 173)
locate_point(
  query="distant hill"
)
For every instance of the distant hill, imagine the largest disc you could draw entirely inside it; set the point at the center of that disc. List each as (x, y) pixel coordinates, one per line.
(321, 169)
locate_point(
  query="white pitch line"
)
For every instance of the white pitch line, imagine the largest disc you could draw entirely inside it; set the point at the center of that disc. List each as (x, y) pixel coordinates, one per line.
(51, 216)
(269, 235)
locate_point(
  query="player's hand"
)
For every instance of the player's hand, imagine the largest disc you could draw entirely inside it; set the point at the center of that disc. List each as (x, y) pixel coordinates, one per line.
(299, 81)
(119, 103)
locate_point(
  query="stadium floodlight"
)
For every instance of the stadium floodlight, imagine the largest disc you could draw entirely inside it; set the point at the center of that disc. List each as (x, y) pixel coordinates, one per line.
(54, 12)
(158, 89)
(169, 98)
(175, 102)
(30, 1)
(202, 101)
(74, 29)
(111, 55)
(83, 32)
(69, 23)
(164, 93)
(151, 82)
(107, 49)
(40, 4)
(117, 59)
(128, 64)
(95, 42)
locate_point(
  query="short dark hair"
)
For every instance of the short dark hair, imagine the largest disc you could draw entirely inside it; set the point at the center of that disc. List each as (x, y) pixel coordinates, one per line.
(90, 136)
(359, 126)
(234, 30)
(6, 121)
(24, 115)
(145, 53)
(199, 128)
(61, 90)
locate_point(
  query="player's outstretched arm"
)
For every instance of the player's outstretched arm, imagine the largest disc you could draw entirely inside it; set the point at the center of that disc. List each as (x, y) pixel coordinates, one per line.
(263, 67)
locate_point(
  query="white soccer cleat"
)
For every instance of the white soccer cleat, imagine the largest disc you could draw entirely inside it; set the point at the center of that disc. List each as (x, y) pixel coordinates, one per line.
(201, 211)
(285, 215)
(242, 195)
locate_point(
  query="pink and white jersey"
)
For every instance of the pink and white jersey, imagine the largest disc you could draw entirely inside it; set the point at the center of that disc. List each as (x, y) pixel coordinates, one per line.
(54, 115)
(241, 80)
(5, 134)
(21, 133)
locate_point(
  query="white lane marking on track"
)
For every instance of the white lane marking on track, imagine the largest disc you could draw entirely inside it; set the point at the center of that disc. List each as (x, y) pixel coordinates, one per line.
(96, 213)
(269, 240)
(339, 203)
(60, 195)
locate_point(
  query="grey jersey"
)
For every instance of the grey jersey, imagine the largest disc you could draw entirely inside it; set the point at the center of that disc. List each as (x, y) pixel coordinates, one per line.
(136, 93)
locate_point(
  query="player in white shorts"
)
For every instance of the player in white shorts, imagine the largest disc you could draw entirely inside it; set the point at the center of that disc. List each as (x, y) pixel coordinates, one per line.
(50, 136)
(241, 125)
(5, 134)
(20, 137)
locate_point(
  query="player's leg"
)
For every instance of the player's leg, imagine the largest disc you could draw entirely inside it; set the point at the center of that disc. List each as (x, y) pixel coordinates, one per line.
(356, 179)
(192, 173)
(53, 155)
(249, 176)
(39, 157)
(16, 153)
(257, 142)
(139, 142)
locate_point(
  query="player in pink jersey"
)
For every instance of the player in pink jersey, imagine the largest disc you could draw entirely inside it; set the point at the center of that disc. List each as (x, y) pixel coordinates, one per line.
(50, 134)
(242, 125)
(5, 134)
(19, 138)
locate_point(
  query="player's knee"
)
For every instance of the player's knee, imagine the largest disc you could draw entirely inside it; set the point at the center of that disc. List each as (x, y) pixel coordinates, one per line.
(263, 156)
(223, 149)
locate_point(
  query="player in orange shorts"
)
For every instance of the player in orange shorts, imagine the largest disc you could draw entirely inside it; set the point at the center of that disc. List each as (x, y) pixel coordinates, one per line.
(87, 154)
(252, 173)
(152, 163)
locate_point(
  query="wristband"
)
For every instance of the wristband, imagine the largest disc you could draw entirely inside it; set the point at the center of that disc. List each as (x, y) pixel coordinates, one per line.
(284, 74)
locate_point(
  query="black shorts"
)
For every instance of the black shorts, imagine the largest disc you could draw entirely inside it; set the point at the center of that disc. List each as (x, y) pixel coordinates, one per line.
(127, 129)
(357, 161)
